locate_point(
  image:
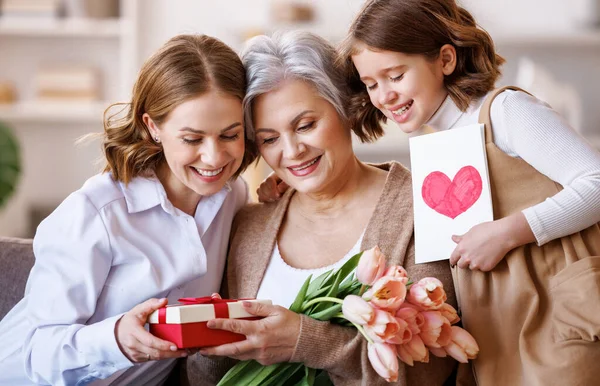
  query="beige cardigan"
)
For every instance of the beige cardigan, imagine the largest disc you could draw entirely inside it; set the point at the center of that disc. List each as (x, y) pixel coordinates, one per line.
(339, 350)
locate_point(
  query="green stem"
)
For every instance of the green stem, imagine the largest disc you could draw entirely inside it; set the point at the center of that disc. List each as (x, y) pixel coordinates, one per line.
(362, 290)
(322, 299)
(358, 327)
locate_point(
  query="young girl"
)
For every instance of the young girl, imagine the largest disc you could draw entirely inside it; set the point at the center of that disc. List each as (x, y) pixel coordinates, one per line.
(536, 314)
(154, 225)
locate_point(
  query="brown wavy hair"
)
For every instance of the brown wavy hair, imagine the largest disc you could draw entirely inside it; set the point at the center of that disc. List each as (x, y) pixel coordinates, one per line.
(420, 27)
(183, 68)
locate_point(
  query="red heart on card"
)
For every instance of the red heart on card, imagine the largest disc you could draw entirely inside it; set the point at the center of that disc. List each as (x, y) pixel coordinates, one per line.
(452, 198)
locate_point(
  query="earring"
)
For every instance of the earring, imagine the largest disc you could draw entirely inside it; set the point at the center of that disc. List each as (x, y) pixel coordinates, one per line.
(157, 139)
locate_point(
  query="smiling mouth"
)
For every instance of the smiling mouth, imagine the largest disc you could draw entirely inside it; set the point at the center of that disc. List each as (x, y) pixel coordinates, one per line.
(403, 109)
(209, 173)
(304, 165)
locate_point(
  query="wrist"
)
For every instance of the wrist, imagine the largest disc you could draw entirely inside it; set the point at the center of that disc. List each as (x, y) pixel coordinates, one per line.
(516, 231)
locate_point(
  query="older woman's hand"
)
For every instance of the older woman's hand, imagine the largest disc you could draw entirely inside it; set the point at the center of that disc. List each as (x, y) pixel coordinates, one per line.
(271, 189)
(136, 343)
(269, 340)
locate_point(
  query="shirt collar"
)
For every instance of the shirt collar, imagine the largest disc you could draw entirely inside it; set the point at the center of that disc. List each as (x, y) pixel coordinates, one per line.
(143, 193)
(446, 116)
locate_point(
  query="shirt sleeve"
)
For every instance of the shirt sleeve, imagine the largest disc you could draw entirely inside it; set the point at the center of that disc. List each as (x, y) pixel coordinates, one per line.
(527, 128)
(73, 259)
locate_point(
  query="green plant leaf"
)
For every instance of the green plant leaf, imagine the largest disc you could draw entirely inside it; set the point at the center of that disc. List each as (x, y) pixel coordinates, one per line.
(241, 373)
(283, 372)
(309, 377)
(266, 373)
(322, 379)
(319, 281)
(327, 313)
(10, 163)
(297, 304)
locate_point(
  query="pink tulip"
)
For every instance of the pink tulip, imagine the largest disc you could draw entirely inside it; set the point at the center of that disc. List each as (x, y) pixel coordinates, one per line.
(388, 293)
(384, 361)
(438, 352)
(403, 335)
(412, 316)
(428, 293)
(357, 310)
(436, 330)
(370, 266)
(449, 313)
(397, 271)
(413, 351)
(462, 346)
(383, 328)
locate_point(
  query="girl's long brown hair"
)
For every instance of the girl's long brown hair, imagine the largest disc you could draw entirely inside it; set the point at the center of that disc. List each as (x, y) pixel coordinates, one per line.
(421, 27)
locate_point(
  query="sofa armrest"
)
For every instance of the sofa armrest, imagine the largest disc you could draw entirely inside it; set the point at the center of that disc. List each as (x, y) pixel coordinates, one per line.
(16, 260)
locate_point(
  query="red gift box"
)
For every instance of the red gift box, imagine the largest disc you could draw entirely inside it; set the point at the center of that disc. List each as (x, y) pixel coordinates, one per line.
(185, 324)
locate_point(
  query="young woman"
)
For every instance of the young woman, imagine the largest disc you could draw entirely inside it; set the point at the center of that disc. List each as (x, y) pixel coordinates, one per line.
(154, 225)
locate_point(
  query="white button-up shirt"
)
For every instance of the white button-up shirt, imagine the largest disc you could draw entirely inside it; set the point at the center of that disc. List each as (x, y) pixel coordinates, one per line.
(105, 249)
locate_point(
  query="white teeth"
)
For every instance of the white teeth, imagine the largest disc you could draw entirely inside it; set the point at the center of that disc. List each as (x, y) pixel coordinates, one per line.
(305, 166)
(403, 109)
(209, 173)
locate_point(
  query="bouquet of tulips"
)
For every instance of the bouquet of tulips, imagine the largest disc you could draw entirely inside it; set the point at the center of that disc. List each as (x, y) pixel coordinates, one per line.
(399, 319)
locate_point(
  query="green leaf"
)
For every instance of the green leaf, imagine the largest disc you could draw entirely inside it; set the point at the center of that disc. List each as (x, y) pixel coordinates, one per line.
(318, 294)
(333, 292)
(297, 304)
(323, 379)
(309, 377)
(246, 371)
(350, 265)
(283, 372)
(265, 373)
(10, 163)
(327, 313)
(318, 282)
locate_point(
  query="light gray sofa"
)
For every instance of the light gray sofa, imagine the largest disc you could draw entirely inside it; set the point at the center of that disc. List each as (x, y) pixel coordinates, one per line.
(16, 260)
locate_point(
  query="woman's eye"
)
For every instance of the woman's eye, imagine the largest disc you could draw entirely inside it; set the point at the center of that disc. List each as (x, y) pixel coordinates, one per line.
(371, 87)
(192, 141)
(307, 126)
(267, 141)
(230, 137)
(397, 78)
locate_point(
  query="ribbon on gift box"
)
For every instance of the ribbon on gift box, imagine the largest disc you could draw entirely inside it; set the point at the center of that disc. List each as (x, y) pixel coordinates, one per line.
(220, 306)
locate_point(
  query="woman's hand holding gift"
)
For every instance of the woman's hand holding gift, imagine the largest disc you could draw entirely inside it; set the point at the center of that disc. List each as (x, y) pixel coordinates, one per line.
(137, 344)
(269, 340)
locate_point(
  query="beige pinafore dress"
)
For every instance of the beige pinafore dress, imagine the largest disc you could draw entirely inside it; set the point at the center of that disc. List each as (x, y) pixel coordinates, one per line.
(536, 316)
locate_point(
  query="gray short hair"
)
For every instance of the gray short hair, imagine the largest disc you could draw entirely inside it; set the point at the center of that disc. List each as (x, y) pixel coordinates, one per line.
(269, 61)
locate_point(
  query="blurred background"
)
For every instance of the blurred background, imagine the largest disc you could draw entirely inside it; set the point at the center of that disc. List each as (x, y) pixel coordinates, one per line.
(62, 62)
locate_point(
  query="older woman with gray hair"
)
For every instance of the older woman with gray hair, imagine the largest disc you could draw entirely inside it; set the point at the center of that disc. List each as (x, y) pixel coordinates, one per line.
(296, 111)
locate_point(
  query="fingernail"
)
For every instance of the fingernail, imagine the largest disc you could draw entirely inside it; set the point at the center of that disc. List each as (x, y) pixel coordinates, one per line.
(210, 324)
(173, 348)
(246, 304)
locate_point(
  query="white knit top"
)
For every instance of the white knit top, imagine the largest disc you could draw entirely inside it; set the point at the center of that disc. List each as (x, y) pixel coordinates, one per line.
(282, 282)
(528, 128)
